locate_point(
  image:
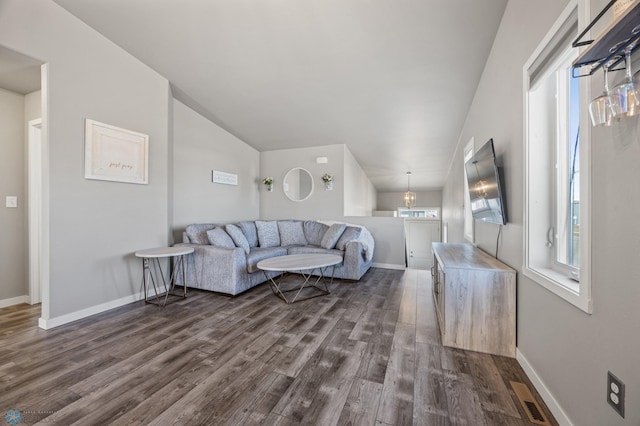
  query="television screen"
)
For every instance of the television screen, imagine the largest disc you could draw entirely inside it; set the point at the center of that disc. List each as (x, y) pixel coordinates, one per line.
(485, 194)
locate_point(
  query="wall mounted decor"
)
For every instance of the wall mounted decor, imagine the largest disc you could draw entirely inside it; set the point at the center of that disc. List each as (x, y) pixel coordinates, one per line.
(328, 181)
(298, 184)
(115, 154)
(268, 183)
(224, 178)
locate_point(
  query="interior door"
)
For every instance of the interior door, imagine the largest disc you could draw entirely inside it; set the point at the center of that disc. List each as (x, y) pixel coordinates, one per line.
(419, 235)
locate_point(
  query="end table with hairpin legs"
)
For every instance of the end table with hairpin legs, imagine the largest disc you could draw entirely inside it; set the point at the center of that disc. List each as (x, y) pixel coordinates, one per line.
(163, 283)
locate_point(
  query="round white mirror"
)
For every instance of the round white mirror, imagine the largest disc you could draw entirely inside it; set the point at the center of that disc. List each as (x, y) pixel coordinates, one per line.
(298, 184)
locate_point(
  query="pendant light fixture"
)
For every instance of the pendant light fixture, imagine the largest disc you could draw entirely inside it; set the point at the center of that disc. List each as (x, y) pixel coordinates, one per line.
(409, 197)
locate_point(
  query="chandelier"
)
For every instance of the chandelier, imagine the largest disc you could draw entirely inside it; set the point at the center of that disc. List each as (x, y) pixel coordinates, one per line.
(409, 197)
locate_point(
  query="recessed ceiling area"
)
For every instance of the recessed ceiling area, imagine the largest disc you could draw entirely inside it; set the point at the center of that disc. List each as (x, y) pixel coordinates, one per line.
(393, 80)
(19, 73)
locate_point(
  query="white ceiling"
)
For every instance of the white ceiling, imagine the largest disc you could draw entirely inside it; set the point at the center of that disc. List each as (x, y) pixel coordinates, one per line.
(391, 79)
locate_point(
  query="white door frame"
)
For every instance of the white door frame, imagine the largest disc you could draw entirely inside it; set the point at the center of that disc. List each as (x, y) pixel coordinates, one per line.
(34, 147)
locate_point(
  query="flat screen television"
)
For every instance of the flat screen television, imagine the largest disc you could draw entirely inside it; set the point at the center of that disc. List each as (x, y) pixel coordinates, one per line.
(485, 194)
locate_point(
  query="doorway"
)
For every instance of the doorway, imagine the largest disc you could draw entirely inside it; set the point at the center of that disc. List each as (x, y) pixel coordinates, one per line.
(27, 76)
(34, 184)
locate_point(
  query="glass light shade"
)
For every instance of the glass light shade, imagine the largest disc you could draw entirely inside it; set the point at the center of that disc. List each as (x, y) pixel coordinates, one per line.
(410, 199)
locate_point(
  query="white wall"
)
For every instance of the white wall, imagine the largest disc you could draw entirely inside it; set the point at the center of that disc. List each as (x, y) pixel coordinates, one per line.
(569, 350)
(388, 233)
(13, 244)
(33, 105)
(95, 226)
(353, 193)
(200, 146)
(322, 204)
(359, 192)
(393, 200)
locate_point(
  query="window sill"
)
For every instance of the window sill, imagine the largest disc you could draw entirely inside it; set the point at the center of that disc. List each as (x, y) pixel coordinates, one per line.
(560, 285)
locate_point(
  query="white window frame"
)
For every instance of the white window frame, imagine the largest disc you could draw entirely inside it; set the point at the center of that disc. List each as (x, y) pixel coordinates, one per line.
(554, 279)
(561, 195)
(469, 233)
(419, 213)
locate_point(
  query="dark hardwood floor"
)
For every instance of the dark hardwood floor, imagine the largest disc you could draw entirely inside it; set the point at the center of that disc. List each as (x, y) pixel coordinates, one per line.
(368, 354)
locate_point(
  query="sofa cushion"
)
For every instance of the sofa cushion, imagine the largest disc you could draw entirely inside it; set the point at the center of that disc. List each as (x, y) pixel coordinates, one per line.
(238, 237)
(314, 250)
(333, 234)
(268, 235)
(219, 238)
(350, 233)
(249, 230)
(291, 233)
(197, 233)
(260, 253)
(314, 231)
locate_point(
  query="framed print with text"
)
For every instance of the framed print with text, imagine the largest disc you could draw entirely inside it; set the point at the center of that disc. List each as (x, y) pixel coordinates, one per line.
(115, 154)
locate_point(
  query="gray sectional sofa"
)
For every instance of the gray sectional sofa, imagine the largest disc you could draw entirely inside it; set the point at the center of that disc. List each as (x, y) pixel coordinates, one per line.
(226, 255)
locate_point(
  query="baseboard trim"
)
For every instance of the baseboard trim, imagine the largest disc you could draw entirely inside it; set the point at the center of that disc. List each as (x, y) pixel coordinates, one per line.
(48, 324)
(4, 303)
(554, 406)
(389, 266)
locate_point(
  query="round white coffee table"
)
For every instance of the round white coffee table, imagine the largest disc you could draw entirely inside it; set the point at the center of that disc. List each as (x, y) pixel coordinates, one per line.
(152, 271)
(304, 265)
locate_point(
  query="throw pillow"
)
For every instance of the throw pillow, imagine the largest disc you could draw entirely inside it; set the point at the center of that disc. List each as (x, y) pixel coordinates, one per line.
(268, 235)
(291, 233)
(238, 237)
(249, 231)
(314, 231)
(333, 234)
(219, 238)
(350, 234)
(197, 233)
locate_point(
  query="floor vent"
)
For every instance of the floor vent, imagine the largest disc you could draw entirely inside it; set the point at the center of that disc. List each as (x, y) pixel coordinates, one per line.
(529, 404)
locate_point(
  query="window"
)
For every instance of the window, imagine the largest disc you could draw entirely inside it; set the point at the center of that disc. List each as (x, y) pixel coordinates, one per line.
(468, 216)
(556, 151)
(421, 212)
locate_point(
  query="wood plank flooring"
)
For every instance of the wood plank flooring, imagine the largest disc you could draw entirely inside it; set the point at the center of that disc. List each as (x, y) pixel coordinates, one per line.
(367, 354)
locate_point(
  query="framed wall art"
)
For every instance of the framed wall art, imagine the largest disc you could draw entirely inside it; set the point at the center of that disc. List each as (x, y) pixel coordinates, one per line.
(224, 177)
(115, 154)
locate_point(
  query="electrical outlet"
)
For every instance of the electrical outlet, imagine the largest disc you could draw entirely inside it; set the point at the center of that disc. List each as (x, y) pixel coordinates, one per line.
(615, 393)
